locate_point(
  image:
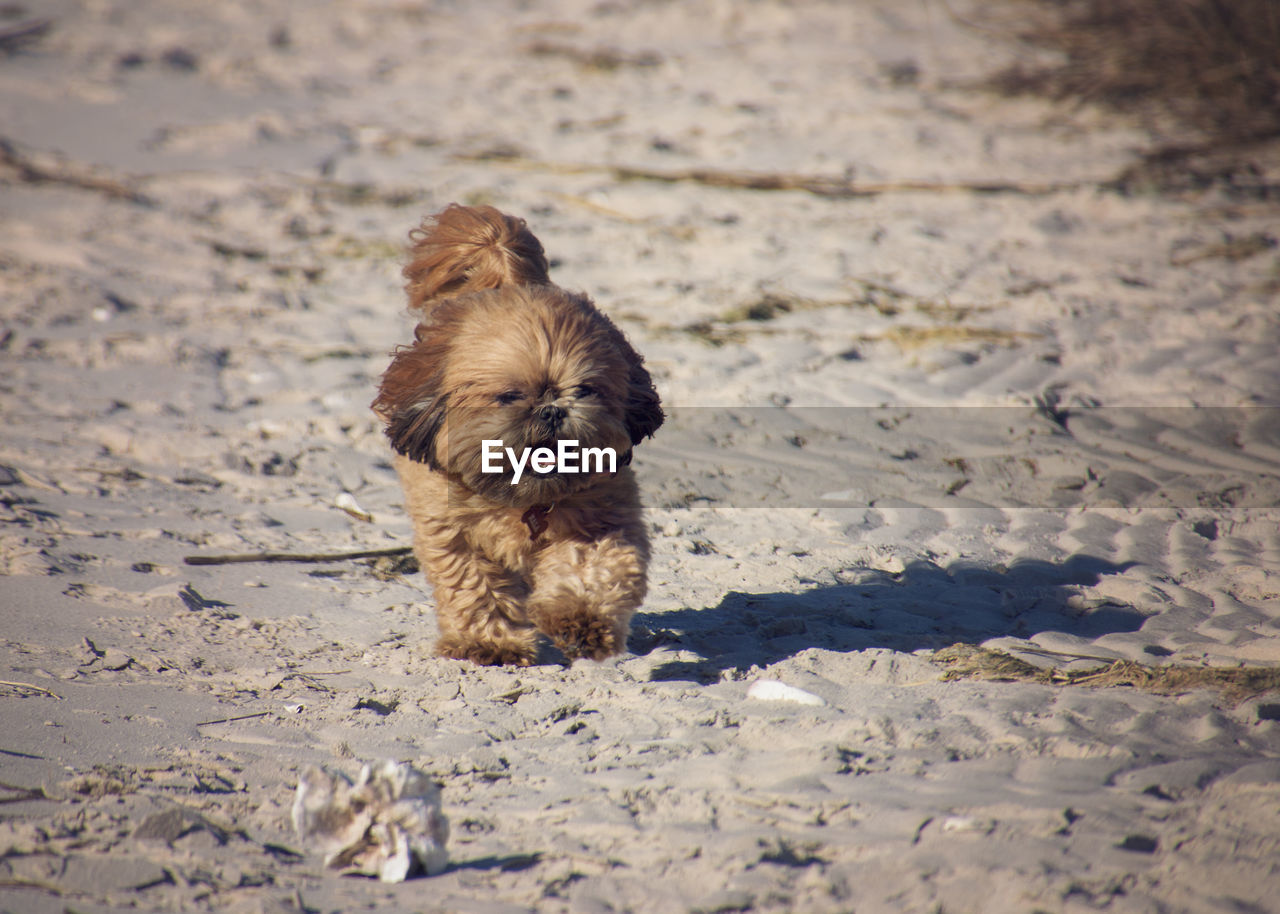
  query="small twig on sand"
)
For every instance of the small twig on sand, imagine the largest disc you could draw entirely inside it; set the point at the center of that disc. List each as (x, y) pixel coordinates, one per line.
(228, 720)
(21, 686)
(314, 557)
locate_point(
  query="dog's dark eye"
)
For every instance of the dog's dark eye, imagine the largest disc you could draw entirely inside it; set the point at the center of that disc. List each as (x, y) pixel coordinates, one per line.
(584, 390)
(507, 397)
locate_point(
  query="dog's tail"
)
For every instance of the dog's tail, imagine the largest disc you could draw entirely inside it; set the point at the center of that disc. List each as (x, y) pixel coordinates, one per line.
(469, 249)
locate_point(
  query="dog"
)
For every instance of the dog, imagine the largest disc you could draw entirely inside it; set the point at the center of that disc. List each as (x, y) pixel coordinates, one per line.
(508, 377)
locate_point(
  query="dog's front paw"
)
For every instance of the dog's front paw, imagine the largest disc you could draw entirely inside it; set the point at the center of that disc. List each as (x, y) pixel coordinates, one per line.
(486, 653)
(581, 634)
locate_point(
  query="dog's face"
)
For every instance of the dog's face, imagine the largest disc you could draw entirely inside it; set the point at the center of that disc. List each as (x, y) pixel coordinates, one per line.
(529, 367)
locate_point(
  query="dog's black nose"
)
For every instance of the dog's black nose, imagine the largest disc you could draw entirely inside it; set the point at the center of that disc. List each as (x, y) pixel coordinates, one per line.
(550, 414)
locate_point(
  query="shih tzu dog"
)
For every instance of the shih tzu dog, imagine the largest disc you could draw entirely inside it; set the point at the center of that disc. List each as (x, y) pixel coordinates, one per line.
(513, 415)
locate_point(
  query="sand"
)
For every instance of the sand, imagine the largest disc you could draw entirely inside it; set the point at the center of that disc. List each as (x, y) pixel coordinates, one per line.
(942, 384)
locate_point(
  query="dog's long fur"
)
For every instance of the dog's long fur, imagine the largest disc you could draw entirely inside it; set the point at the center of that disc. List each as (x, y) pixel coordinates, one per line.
(500, 353)
(470, 249)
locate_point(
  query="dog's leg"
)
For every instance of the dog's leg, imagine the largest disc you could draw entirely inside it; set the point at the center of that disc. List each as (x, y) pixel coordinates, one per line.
(584, 593)
(479, 604)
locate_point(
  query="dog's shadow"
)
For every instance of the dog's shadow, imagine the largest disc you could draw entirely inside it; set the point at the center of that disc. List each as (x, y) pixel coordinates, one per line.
(924, 606)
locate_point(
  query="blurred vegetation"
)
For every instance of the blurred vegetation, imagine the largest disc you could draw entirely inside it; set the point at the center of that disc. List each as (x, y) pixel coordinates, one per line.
(1212, 65)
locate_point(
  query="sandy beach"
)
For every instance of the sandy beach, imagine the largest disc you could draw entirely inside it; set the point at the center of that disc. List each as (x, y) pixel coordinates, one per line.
(965, 591)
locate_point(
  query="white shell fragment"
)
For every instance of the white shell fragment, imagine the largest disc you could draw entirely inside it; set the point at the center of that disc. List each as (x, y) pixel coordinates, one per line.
(387, 824)
(347, 502)
(968, 824)
(772, 690)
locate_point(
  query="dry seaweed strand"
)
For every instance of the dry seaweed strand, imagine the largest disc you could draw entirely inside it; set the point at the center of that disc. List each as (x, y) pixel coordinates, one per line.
(32, 172)
(818, 185)
(607, 59)
(968, 661)
(826, 186)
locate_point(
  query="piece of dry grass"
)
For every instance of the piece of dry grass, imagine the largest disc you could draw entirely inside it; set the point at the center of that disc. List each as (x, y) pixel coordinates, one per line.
(606, 59)
(1213, 65)
(968, 661)
(908, 338)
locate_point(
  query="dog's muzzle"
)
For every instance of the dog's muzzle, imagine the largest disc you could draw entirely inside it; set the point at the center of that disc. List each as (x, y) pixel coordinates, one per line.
(550, 415)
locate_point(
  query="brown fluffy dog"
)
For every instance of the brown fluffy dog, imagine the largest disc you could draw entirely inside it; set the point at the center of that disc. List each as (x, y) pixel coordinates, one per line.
(502, 354)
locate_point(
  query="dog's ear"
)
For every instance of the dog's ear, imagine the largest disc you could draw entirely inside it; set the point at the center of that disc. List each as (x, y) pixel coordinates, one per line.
(411, 402)
(644, 409)
(413, 431)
